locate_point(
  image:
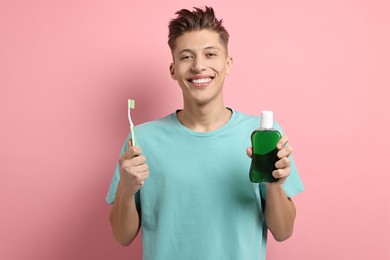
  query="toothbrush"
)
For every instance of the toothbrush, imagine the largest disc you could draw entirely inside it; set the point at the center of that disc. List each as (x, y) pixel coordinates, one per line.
(131, 105)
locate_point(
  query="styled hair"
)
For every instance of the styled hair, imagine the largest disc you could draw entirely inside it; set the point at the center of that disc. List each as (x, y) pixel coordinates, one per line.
(196, 20)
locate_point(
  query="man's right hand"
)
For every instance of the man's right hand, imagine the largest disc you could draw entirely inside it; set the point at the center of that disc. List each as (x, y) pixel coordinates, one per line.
(133, 170)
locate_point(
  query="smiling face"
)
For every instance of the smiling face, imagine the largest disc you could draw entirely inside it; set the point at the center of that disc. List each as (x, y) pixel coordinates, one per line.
(200, 63)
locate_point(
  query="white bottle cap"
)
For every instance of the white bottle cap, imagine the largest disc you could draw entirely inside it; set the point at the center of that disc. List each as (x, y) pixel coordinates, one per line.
(267, 119)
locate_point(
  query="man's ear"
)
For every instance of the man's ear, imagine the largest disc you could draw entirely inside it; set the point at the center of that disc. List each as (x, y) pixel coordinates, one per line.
(172, 71)
(229, 64)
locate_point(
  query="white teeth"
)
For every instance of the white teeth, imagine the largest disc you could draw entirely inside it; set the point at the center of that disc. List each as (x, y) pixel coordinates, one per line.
(201, 81)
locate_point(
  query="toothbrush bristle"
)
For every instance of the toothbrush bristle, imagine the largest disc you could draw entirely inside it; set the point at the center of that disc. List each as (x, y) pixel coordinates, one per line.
(131, 103)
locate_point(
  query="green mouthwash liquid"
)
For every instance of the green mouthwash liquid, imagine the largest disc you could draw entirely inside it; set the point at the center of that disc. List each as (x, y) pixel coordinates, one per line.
(264, 140)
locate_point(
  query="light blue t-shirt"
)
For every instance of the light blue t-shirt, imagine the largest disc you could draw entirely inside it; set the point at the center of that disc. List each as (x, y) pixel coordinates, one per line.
(198, 202)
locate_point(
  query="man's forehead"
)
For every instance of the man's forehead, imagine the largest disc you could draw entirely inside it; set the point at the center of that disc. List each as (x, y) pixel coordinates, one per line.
(198, 41)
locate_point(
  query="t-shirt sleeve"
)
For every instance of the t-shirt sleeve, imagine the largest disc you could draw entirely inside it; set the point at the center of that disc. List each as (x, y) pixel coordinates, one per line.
(110, 197)
(293, 184)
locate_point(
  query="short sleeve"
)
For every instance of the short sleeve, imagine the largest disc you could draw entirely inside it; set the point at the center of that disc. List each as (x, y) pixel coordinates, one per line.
(115, 178)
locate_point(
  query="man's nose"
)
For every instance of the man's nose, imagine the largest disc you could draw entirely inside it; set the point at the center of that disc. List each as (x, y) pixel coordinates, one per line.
(198, 65)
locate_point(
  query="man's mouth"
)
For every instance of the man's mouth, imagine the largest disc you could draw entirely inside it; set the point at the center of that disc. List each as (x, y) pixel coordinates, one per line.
(200, 81)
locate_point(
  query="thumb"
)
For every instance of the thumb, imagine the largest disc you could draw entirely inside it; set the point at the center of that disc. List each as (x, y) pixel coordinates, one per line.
(132, 151)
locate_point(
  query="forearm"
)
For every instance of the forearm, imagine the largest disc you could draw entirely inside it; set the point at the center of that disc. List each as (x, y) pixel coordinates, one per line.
(279, 212)
(124, 219)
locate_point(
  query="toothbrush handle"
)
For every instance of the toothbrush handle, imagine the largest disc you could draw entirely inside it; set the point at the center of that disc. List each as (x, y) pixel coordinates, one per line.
(133, 143)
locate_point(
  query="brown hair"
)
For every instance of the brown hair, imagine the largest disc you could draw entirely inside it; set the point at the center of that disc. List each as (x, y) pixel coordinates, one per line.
(199, 19)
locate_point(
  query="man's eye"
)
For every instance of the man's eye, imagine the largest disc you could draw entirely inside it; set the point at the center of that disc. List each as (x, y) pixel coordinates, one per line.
(211, 54)
(186, 57)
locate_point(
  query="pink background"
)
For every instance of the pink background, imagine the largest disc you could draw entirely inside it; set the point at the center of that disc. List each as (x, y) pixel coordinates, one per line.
(68, 67)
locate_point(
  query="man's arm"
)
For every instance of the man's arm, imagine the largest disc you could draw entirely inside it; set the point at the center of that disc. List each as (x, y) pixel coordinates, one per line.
(124, 217)
(279, 209)
(279, 212)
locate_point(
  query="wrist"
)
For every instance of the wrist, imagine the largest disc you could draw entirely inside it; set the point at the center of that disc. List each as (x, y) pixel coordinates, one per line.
(124, 193)
(274, 187)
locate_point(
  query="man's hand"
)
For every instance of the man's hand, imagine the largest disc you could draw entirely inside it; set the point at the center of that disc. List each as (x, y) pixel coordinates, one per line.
(283, 164)
(133, 170)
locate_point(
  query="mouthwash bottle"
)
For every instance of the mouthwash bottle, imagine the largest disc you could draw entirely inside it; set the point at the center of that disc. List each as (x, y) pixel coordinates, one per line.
(264, 140)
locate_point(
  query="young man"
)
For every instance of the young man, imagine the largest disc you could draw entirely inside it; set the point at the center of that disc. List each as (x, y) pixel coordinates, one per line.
(186, 182)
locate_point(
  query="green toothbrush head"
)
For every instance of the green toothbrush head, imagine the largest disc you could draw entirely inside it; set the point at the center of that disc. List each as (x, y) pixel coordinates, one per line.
(131, 103)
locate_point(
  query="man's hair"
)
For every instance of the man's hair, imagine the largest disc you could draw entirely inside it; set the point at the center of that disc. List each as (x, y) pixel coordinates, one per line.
(199, 19)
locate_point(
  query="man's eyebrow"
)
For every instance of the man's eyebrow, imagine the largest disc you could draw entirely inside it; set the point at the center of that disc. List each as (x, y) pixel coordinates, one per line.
(206, 48)
(184, 50)
(211, 48)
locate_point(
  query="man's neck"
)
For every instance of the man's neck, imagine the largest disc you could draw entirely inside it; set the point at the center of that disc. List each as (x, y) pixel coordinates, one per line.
(204, 118)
